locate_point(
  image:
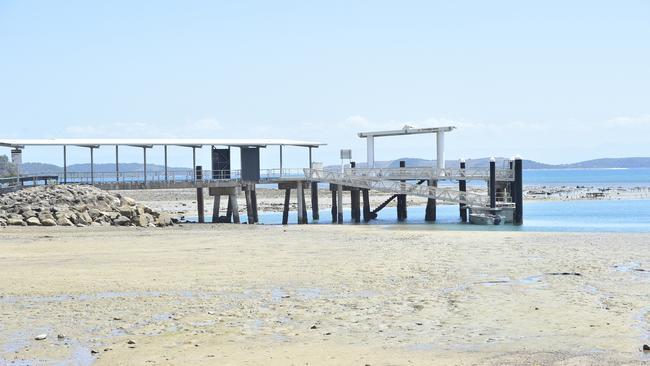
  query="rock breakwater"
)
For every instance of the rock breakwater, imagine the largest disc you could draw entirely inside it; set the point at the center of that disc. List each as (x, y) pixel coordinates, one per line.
(75, 205)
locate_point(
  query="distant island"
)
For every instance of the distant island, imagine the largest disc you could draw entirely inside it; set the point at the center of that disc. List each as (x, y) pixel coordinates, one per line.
(6, 168)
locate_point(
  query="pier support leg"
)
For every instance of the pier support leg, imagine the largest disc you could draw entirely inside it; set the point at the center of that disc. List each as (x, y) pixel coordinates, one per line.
(200, 204)
(462, 187)
(300, 199)
(285, 209)
(304, 206)
(493, 184)
(249, 205)
(235, 208)
(355, 204)
(339, 203)
(518, 215)
(229, 210)
(333, 190)
(430, 211)
(215, 208)
(366, 205)
(401, 200)
(256, 217)
(314, 201)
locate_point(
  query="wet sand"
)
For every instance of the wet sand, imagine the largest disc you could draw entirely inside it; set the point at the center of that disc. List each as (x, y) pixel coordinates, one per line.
(239, 294)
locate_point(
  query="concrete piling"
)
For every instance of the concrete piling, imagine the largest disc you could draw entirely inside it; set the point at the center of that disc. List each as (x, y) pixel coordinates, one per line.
(285, 210)
(366, 205)
(401, 199)
(199, 194)
(430, 211)
(462, 187)
(518, 216)
(301, 203)
(339, 203)
(314, 201)
(493, 184)
(334, 210)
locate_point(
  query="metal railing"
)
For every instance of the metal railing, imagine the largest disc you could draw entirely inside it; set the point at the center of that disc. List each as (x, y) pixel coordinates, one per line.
(172, 176)
(396, 187)
(431, 173)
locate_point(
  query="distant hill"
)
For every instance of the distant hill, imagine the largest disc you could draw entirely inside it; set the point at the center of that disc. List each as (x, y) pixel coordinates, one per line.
(606, 163)
(37, 168)
(6, 168)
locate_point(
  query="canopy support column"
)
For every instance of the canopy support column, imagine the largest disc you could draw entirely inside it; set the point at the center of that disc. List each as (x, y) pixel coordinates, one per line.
(65, 165)
(117, 163)
(280, 161)
(92, 165)
(165, 163)
(194, 162)
(144, 153)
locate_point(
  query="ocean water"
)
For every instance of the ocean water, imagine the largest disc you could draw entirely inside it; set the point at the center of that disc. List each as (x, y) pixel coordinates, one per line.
(588, 177)
(539, 216)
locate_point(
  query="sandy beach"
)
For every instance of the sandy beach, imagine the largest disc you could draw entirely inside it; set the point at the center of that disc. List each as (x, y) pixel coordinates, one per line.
(350, 295)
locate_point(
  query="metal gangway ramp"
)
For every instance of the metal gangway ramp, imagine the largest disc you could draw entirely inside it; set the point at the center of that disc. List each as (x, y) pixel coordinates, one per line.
(392, 186)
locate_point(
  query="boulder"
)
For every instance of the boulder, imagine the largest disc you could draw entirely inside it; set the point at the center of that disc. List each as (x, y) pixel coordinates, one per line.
(127, 201)
(48, 222)
(164, 219)
(33, 221)
(15, 221)
(141, 221)
(122, 221)
(125, 211)
(63, 221)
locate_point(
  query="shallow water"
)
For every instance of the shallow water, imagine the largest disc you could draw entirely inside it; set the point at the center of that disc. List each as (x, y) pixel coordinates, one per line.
(539, 216)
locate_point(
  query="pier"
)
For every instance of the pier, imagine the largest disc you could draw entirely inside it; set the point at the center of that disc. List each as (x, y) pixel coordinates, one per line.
(504, 198)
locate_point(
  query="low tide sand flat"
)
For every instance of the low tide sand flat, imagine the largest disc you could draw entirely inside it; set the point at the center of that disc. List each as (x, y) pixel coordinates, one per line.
(235, 294)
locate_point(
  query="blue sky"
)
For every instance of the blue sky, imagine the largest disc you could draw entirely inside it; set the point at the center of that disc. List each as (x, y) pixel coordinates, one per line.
(554, 81)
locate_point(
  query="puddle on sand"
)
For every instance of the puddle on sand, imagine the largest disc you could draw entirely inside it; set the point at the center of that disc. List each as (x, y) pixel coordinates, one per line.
(632, 267)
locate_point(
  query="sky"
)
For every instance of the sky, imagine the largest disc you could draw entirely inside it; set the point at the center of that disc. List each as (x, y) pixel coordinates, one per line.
(552, 81)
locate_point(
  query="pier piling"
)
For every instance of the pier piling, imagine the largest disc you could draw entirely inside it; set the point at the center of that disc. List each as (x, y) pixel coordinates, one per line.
(430, 211)
(285, 210)
(199, 194)
(334, 210)
(366, 205)
(518, 215)
(339, 203)
(301, 203)
(314, 201)
(462, 187)
(215, 208)
(493, 184)
(401, 199)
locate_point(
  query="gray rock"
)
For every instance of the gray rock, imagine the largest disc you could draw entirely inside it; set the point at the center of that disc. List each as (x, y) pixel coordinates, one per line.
(141, 221)
(15, 221)
(122, 221)
(48, 222)
(125, 211)
(33, 221)
(127, 201)
(62, 221)
(164, 219)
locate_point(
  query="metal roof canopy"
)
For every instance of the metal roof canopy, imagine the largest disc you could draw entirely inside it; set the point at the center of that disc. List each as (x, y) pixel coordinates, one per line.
(408, 130)
(153, 142)
(145, 144)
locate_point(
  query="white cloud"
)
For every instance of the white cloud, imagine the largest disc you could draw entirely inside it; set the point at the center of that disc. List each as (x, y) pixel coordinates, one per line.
(192, 128)
(630, 121)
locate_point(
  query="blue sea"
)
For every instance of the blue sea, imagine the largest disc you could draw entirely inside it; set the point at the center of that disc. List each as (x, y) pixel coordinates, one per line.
(565, 216)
